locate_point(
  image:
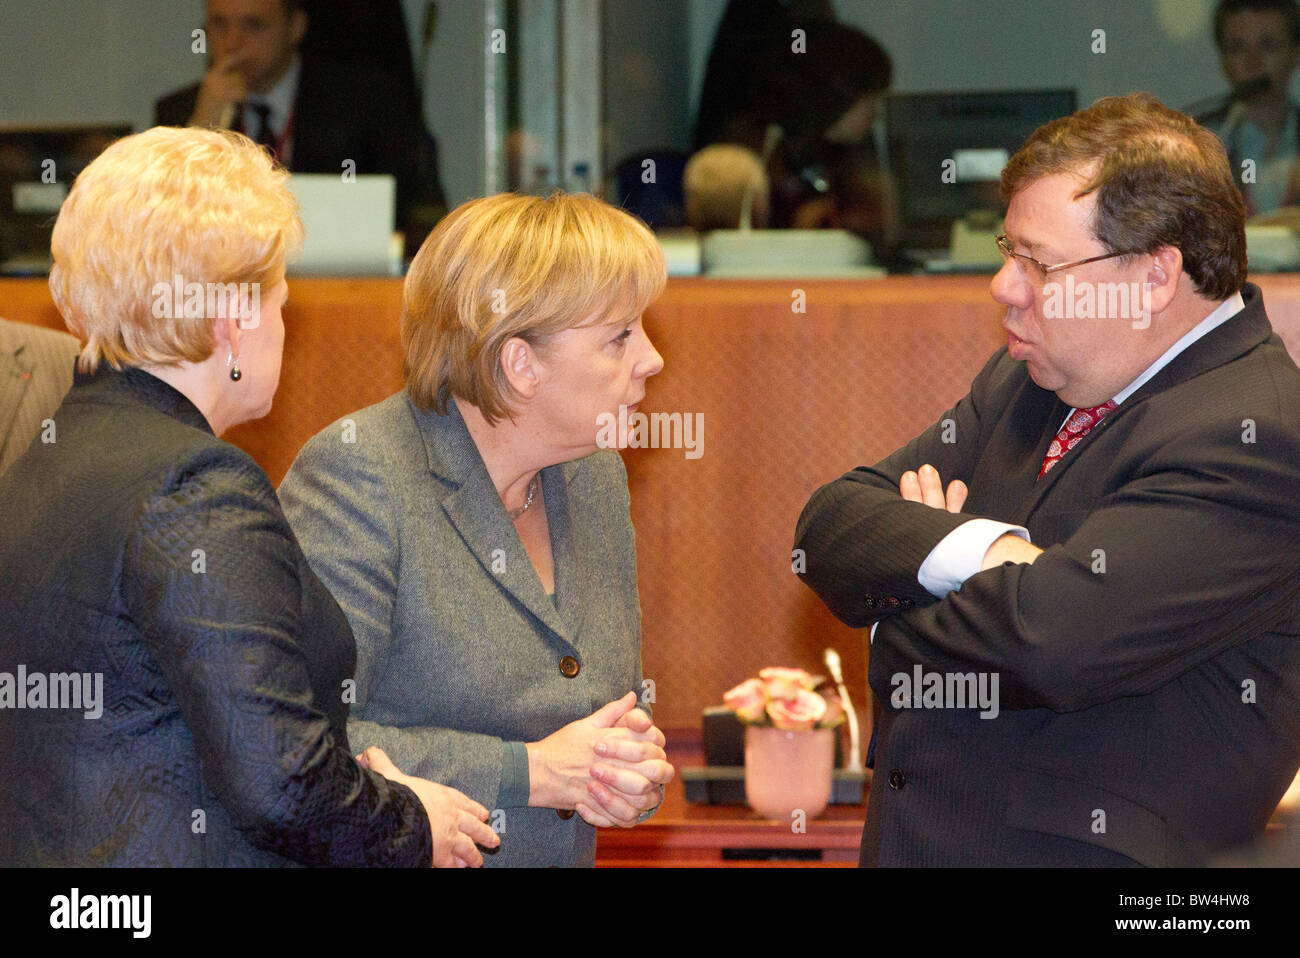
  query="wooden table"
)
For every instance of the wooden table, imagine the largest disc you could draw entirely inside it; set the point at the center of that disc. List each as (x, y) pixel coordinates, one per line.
(682, 833)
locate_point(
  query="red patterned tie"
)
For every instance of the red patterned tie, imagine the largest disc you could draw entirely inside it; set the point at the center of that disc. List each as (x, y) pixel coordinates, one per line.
(1076, 427)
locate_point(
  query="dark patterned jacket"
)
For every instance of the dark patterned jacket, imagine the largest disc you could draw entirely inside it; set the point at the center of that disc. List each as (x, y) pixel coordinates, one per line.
(141, 552)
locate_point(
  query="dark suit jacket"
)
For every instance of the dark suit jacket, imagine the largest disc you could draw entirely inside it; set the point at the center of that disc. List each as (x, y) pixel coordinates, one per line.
(1148, 661)
(140, 548)
(345, 112)
(35, 373)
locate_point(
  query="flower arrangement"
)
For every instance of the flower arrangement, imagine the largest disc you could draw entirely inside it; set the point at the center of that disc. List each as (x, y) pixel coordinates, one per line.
(787, 699)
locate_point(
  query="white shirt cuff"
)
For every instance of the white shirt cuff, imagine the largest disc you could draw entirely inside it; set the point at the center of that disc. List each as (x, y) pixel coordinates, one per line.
(960, 553)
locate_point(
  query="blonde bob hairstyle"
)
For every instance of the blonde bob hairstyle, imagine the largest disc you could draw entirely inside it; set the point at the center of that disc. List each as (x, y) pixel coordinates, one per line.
(207, 206)
(517, 266)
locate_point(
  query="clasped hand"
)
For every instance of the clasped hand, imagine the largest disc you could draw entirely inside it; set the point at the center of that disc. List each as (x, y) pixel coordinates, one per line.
(609, 767)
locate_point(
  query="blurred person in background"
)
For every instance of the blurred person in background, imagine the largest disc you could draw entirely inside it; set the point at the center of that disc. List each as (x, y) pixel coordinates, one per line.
(720, 181)
(803, 91)
(314, 105)
(1259, 45)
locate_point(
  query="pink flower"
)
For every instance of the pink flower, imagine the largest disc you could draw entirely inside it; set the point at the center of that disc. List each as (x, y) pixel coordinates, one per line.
(786, 683)
(747, 700)
(798, 714)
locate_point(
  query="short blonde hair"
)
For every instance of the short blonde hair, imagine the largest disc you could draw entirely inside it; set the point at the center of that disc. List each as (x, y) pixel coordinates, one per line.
(209, 206)
(716, 180)
(510, 266)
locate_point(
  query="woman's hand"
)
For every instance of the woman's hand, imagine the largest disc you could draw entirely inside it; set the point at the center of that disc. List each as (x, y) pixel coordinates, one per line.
(629, 777)
(611, 741)
(456, 820)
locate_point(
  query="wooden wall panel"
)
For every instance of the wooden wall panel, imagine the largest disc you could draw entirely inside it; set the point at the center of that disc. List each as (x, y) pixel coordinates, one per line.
(789, 399)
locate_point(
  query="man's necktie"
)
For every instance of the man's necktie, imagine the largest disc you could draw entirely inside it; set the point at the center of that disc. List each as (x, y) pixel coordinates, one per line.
(261, 133)
(1076, 427)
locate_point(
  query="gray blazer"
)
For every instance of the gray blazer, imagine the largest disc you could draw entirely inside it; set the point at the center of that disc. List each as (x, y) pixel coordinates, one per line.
(459, 647)
(35, 374)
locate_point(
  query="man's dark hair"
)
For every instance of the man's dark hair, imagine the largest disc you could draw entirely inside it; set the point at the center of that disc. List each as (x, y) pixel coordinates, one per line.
(1227, 8)
(1160, 180)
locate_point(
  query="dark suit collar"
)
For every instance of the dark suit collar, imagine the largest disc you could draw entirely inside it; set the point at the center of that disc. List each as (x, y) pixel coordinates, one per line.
(474, 507)
(1235, 337)
(135, 387)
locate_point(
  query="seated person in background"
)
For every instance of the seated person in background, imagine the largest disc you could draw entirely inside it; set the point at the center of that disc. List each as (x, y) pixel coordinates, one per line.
(481, 545)
(717, 181)
(314, 113)
(808, 112)
(35, 373)
(149, 562)
(1259, 43)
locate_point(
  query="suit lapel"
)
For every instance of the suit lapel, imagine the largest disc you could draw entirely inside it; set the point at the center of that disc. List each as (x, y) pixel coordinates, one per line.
(475, 510)
(15, 381)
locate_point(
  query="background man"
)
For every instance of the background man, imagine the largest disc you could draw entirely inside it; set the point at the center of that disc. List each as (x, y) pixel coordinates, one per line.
(1259, 43)
(313, 111)
(1145, 643)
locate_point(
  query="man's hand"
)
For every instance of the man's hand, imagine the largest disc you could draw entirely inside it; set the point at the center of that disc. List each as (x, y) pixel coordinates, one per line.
(924, 486)
(223, 87)
(456, 820)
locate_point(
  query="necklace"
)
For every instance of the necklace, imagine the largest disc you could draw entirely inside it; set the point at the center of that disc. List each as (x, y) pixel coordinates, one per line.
(532, 493)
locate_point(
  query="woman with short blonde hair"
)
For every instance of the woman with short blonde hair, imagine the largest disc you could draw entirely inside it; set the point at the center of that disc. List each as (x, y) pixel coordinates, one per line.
(144, 554)
(480, 541)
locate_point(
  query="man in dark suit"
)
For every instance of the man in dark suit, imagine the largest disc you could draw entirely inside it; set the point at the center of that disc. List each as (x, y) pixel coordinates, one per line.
(35, 374)
(1102, 667)
(314, 112)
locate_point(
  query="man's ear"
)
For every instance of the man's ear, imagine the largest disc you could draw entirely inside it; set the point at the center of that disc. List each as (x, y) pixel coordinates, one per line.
(520, 364)
(1163, 277)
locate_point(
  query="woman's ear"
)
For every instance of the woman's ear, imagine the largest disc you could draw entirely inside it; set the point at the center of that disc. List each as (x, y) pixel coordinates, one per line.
(520, 364)
(227, 330)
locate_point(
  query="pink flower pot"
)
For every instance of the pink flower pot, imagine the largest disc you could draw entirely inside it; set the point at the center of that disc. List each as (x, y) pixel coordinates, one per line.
(788, 771)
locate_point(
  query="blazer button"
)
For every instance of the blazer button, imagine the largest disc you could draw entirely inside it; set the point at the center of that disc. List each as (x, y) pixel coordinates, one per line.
(896, 779)
(564, 813)
(569, 668)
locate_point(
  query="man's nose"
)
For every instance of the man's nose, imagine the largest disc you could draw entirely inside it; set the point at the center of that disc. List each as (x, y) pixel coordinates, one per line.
(1010, 287)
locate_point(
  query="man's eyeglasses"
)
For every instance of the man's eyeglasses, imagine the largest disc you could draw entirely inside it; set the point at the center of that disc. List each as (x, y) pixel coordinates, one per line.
(1036, 271)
